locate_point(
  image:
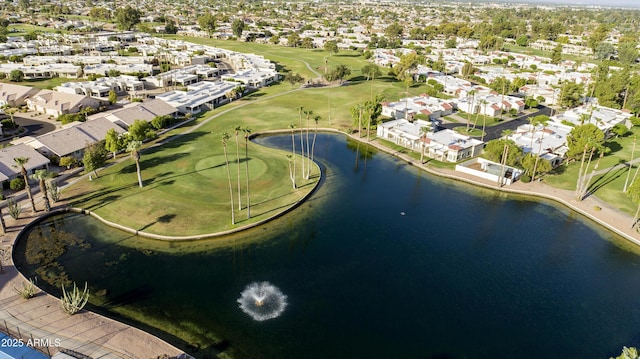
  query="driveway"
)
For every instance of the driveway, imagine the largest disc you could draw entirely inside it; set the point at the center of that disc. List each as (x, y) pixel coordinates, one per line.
(35, 127)
(494, 132)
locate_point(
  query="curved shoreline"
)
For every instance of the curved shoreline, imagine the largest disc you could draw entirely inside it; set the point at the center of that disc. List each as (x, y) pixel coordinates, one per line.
(207, 235)
(534, 190)
(586, 207)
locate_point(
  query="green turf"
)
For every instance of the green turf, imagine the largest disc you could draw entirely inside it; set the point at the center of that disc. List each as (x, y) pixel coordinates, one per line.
(186, 190)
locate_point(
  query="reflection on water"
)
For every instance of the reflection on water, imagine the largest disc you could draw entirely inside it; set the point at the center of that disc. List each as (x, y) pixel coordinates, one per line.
(394, 265)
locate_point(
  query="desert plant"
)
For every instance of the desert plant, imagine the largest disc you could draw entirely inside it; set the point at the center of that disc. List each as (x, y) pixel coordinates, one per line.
(28, 289)
(16, 184)
(14, 208)
(73, 302)
(54, 191)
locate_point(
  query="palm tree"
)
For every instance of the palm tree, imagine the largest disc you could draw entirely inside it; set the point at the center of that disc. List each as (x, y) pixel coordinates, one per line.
(135, 154)
(423, 132)
(626, 182)
(308, 113)
(300, 110)
(247, 132)
(585, 186)
(238, 129)
(293, 155)
(543, 122)
(225, 137)
(471, 107)
(292, 171)
(315, 134)
(21, 162)
(3, 226)
(41, 176)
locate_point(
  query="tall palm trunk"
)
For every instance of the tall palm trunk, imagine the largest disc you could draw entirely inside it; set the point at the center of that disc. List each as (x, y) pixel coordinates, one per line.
(301, 142)
(238, 162)
(136, 157)
(226, 160)
(246, 156)
(315, 134)
(626, 182)
(308, 152)
(593, 172)
(292, 171)
(293, 159)
(3, 226)
(28, 188)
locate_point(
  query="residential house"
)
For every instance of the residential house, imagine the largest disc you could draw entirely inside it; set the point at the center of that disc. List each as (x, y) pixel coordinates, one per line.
(201, 96)
(489, 170)
(254, 78)
(8, 171)
(15, 95)
(451, 146)
(57, 103)
(403, 132)
(547, 141)
(408, 108)
(604, 118)
(72, 141)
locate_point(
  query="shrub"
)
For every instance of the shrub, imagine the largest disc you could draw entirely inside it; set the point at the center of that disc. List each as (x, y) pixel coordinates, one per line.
(16, 184)
(8, 123)
(14, 208)
(54, 191)
(67, 161)
(525, 178)
(28, 289)
(72, 302)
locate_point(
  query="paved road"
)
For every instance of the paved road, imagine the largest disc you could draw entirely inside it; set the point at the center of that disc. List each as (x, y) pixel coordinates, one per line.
(34, 127)
(494, 132)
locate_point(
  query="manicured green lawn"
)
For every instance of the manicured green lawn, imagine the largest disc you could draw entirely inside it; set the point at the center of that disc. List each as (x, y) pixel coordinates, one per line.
(607, 186)
(186, 190)
(45, 84)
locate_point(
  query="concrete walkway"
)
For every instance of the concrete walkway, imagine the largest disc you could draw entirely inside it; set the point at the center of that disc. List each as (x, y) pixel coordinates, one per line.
(41, 321)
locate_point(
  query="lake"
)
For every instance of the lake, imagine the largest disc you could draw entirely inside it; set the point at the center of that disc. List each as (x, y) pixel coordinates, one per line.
(383, 261)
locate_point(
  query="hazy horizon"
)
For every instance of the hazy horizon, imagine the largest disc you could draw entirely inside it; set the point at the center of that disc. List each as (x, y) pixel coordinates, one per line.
(605, 3)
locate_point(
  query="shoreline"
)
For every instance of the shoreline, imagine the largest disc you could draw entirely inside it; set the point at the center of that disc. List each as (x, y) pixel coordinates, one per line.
(594, 209)
(137, 343)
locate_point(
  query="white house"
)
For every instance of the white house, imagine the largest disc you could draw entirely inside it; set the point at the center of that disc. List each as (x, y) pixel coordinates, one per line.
(408, 108)
(448, 145)
(604, 118)
(404, 133)
(201, 96)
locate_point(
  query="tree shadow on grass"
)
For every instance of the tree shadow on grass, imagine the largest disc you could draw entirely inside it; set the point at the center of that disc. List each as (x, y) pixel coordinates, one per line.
(166, 218)
(146, 163)
(613, 147)
(175, 141)
(81, 197)
(604, 180)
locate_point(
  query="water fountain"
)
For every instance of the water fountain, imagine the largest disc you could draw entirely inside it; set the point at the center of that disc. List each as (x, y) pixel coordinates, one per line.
(262, 301)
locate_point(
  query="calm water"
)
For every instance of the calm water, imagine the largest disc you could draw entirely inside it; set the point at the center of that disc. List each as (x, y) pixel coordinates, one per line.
(383, 262)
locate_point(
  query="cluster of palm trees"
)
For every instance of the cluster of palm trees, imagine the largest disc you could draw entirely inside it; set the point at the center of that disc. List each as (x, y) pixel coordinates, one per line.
(41, 175)
(225, 137)
(307, 147)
